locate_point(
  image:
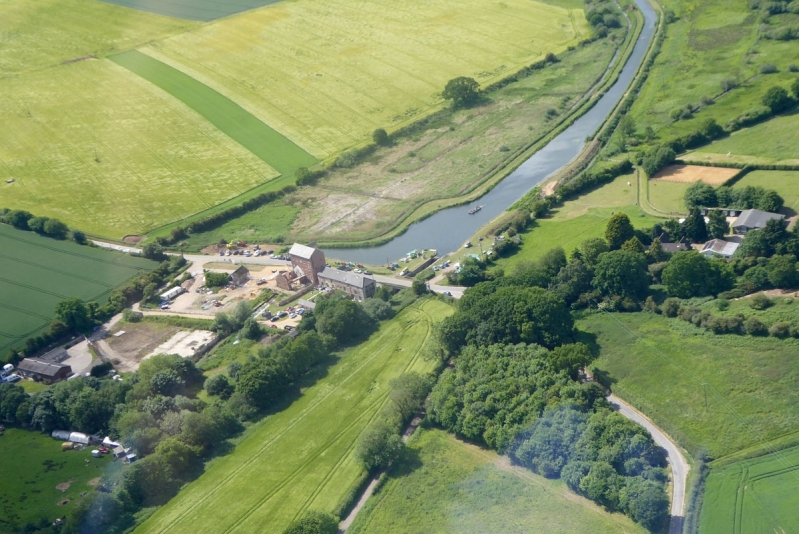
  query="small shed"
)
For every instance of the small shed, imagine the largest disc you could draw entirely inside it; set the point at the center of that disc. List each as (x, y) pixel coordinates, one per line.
(96, 453)
(61, 435)
(130, 458)
(67, 446)
(172, 293)
(240, 276)
(79, 437)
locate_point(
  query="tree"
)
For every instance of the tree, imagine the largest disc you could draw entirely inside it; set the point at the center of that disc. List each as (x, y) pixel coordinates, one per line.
(223, 325)
(689, 274)
(782, 271)
(251, 329)
(657, 158)
(218, 385)
(795, 88)
(408, 392)
(694, 227)
(754, 245)
(380, 137)
(313, 522)
(378, 309)
(153, 251)
(18, 219)
(711, 129)
(626, 126)
(623, 274)
(618, 230)
(36, 224)
(645, 501)
(553, 261)
(177, 454)
(216, 280)
(591, 249)
(167, 382)
(777, 99)
(74, 313)
(378, 445)
(573, 280)
(717, 225)
(633, 245)
(656, 253)
(419, 286)
(78, 237)
(148, 293)
(700, 195)
(56, 229)
(570, 358)
(462, 91)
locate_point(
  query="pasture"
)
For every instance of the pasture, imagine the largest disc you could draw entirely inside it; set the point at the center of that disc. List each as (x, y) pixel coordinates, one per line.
(665, 367)
(36, 273)
(441, 484)
(302, 457)
(34, 465)
(757, 495)
(576, 220)
(327, 73)
(773, 142)
(107, 152)
(786, 183)
(51, 32)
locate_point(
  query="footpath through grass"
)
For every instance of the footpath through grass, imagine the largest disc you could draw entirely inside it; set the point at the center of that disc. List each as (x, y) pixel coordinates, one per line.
(758, 495)
(443, 485)
(302, 457)
(257, 137)
(664, 367)
(33, 465)
(36, 273)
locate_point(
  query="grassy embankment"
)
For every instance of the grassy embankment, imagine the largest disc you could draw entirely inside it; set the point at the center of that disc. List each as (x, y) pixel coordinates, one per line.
(39, 272)
(33, 466)
(302, 457)
(445, 164)
(441, 484)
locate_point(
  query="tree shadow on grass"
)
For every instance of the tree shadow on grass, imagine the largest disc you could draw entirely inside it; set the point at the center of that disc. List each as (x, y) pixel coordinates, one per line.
(408, 462)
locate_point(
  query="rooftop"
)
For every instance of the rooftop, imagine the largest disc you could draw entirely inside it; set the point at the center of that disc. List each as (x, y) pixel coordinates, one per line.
(302, 251)
(346, 277)
(755, 218)
(41, 367)
(719, 246)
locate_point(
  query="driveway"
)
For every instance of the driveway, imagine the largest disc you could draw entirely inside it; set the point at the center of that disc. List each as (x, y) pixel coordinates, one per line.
(679, 466)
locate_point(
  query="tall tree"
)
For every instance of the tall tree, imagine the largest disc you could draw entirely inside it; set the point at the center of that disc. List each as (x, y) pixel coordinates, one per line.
(462, 91)
(694, 227)
(618, 230)
(74, 313)
(717, 225)
(622, 274)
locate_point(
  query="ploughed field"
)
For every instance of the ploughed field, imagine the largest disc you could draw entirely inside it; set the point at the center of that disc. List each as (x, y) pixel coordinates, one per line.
(302, 458)
(36, 273)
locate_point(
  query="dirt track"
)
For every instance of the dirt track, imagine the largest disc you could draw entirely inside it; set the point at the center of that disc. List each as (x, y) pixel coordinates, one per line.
(688, 174)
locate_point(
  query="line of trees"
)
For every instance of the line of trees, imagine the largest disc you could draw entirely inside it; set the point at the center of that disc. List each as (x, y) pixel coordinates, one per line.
(46, 226)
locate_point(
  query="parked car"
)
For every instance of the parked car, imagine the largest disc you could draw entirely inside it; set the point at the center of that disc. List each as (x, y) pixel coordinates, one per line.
(293, 316)
(288, 328)
(447, 293)
(282, 314)
(274, 318)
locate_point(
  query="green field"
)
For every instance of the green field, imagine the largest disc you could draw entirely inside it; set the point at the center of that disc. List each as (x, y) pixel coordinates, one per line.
(36, 273)
(756, 496)
(277, 151)
(327, 73)
(580, 219)
(302, 457)
(786, 183)
(711, 41)
(665, 366)
(105, 151)
(772, 142)
(443, 485)
(50, 32)
(32, 468)
(204, 10)
(667, 197)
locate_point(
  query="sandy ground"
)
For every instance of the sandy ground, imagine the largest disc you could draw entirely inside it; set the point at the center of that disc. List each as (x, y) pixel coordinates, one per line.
(688, 174)
(139, 340)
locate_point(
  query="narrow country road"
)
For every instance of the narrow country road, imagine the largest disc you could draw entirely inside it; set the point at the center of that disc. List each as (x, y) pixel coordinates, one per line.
(679, 466)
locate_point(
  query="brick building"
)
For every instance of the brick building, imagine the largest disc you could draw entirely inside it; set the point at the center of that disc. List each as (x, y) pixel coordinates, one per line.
(309, 260)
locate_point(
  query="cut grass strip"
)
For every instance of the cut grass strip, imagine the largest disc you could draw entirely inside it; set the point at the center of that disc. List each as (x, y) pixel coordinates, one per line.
(257, 137)
(202, 10)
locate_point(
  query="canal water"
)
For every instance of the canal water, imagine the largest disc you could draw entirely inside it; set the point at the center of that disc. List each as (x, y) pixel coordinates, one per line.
(447, 230)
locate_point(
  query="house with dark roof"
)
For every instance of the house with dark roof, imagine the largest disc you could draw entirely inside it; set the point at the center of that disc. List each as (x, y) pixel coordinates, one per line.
(44, 370)
(719, 247)
(307, 261)
(668, 246)
(753, 220)
(358, 286)
(240, 276)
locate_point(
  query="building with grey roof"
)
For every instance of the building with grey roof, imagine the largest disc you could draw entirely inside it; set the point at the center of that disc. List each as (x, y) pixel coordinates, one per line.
(44, 370)
(309, 260)
(753, 220)
(358, 286)
(668, 246)
(719, 247)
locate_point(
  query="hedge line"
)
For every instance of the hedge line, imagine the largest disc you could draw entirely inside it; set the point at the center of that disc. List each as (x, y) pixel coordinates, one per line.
(592, 179)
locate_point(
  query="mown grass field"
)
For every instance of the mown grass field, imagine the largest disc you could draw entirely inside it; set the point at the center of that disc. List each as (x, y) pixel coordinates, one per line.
(107, 152)
(443, 485)
(36, 273)
(327, 73)
(757, 496)
(772, 142)
(786, 183)
(34, 465)
(711, 41)
(579, 219)
(667, 197)
(50, 32)
(204, 10)
(665, 366)
(302, 457)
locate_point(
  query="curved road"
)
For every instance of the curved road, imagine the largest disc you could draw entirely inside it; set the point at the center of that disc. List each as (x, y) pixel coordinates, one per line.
(679, 467)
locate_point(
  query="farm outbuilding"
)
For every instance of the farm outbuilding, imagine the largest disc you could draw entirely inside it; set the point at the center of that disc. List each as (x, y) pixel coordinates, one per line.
(358, 286)
(43, 370)
(753, 220)
(719, 247)
(240, 276)
(309, 260)
(172, 293)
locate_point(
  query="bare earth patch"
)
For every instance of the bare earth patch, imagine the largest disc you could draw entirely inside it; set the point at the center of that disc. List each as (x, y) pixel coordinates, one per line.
(94, 482)
(132, 239)
(64, 486)
(63, 503)
(688, 174)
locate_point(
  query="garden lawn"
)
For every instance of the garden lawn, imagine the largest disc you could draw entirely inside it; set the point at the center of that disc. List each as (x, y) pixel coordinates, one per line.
(107, 152)
(327, 73)
(33, 465)
(442, 485)
(36, 273)
(772, 142)
(302, 457)
(664, 367)
(579, 219)
(757, 496)
(50, 32)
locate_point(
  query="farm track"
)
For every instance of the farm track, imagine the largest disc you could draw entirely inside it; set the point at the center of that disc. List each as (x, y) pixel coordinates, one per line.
(315, 403)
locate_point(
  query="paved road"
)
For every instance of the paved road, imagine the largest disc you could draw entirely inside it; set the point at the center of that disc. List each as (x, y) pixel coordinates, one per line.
(679, 467)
